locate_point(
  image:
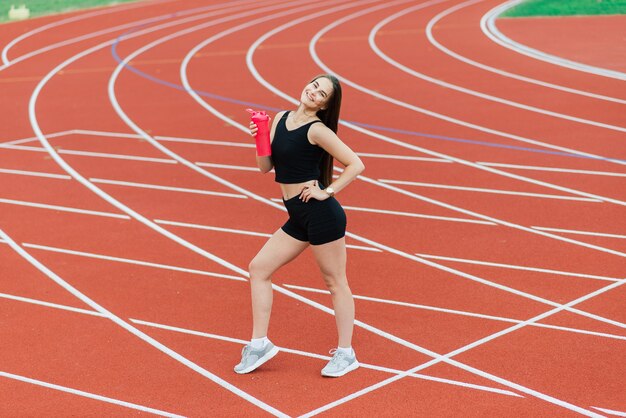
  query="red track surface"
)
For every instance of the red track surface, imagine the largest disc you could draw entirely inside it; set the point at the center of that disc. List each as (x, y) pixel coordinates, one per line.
(435, 270)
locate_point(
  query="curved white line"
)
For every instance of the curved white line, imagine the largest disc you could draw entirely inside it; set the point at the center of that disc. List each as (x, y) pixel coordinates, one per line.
(490, 29)
(128, 327)
(417, 109)
(507, 74)
(5, 50)
(439, 82)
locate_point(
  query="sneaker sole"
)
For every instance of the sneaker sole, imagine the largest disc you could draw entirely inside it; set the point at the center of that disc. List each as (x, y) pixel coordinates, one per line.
(348, 369)
(260, 361)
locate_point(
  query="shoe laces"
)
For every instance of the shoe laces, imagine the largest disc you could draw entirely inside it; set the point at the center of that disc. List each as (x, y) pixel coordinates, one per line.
(337, 355)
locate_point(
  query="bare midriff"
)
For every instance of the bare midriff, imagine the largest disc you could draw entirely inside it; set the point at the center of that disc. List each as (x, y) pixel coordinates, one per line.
(292, 190)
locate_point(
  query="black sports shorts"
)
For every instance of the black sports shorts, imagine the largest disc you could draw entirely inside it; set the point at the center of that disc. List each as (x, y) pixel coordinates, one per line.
(315, 221)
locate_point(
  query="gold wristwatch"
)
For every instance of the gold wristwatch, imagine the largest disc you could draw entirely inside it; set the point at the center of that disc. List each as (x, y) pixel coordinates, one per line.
(330, 191)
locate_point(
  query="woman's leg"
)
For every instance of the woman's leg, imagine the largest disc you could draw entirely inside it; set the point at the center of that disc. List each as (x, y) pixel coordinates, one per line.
(331, 258)
(277, 251)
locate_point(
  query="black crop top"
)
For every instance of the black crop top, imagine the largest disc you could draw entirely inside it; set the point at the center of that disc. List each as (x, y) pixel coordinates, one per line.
(295, 159)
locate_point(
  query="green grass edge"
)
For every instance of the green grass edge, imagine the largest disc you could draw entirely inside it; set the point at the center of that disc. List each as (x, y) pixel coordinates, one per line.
(532, 8)
(40, 8)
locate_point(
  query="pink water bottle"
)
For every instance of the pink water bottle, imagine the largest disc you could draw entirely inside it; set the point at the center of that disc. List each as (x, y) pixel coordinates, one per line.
(261, 119)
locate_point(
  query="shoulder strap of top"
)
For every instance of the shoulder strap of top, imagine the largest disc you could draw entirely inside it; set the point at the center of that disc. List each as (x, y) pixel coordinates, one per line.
(283, 120)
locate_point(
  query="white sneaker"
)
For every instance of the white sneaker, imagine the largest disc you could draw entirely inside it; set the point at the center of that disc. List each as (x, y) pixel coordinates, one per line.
(340, 364)
(251, 358)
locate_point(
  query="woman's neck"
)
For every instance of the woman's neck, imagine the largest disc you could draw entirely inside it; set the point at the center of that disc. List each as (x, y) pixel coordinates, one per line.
(303, 114)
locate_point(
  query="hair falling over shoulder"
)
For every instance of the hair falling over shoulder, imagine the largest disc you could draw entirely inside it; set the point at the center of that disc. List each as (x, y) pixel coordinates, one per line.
(330, 117)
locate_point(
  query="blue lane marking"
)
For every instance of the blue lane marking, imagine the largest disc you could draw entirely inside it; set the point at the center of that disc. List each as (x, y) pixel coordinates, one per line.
(361, 124)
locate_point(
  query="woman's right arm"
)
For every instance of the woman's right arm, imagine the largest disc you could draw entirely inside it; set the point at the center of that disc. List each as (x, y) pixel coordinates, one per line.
(265, 164)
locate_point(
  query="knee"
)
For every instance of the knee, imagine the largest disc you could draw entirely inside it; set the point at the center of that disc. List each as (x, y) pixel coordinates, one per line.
(257, 270)
(336, 284)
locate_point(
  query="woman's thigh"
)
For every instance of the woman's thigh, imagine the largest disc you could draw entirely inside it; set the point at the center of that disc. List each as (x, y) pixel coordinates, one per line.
(331, 258)
(279, 250)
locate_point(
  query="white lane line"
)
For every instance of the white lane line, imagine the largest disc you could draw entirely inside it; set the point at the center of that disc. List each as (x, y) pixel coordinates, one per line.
(95, 154)
(460, 313)
(128, 327)
(243, 232)
(164, 138)
(229, 166)
(418, 215)
(63, 208)
(248, 145)
(611, 411)
(31, 139)
(51, 305)
(485, 96)
(483, 190)
(239, 341)
(447, 358)
(35, 174)
(262, 81)
(203, 142)
(417, 109)
(168, 188)
(552, 169)
(87, 395)
(507, 74)
(125, 183)
(515, 267)
(364, 248)
(212, 228)
(5, 59)
(132, 261)
(402, 157)
(576, 232)
(409, 214)
(107, 134)
(488, 25)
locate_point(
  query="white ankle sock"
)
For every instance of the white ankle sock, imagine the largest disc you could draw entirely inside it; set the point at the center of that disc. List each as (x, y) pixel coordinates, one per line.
(348, 351)
(258, 343)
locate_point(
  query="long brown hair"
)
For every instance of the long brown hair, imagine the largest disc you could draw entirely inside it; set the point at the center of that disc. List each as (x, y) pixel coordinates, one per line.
(330, 117)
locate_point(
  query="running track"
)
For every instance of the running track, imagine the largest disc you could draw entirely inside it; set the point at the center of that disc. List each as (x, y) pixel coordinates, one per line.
(487, 234)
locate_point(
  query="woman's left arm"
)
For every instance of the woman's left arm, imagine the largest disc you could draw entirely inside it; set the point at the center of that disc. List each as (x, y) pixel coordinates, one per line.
(322, 136)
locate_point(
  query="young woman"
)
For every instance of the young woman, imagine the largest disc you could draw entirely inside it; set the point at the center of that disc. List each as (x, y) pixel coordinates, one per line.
(304, 143)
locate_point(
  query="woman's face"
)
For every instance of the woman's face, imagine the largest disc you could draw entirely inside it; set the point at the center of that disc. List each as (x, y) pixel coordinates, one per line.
(317, 93)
